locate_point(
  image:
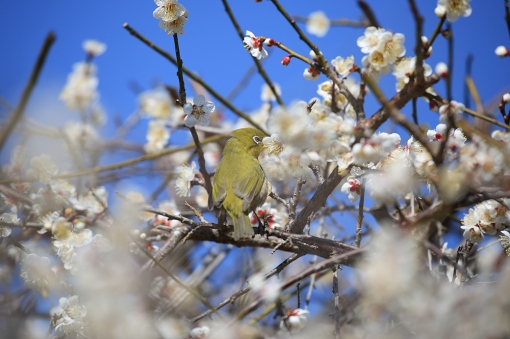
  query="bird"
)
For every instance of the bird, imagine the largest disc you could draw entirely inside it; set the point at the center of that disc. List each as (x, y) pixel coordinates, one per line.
(240, 184)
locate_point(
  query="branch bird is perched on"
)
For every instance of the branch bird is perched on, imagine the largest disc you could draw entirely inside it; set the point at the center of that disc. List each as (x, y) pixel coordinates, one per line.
(240, 185)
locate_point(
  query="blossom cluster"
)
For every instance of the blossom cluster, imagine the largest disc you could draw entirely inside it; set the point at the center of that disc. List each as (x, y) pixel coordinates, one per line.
(173, 16)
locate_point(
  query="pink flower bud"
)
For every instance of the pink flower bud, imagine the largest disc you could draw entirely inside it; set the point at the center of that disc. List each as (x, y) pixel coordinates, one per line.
(285, 60)
(502, 51)
(442, 70)
(270, 42)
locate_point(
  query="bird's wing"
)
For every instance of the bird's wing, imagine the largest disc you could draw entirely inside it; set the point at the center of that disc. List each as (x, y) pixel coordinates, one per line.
(252, 177)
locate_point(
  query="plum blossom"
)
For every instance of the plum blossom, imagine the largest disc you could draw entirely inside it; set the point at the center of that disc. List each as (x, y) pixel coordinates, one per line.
(454, 9)
(255, 45)
(157, 136)
(343, 66)
(273, 144)
(487, 217)
(169, 207)
(70, 314)
(94, 48)
(295, 320)
(441, 69)
(502, 51)
(275, 219)
(168, 10)
(404, 68)
(156, 103)
(37, 274)
(267, 95)
(199, 332)
(198, 111)
(187, 174)
(174, 27)
(11, 218)
(317, 24)
(42, 168)
(81, 87)
(456, 110)
(352, 187)
(375, 148)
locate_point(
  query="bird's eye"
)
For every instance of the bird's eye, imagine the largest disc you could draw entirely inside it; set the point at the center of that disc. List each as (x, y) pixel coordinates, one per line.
(257, 139)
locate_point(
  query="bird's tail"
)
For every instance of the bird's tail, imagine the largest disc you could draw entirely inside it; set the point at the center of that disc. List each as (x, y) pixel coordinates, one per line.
(242, 226)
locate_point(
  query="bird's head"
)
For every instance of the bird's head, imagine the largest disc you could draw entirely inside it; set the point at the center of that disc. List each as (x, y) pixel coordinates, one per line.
(250, 139)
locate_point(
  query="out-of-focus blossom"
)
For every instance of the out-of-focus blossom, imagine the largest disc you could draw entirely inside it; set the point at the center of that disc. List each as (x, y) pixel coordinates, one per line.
(317, 24)
(456, 109)
(506, 98)
(453, 8)
(187, 174)
(267, 95)
(255, 46)
(441, 69)
(94, 48)
(311, 73)
(343, 66)
(102, 243)
(81, 87)
(294, 161)
(156, 103)
(157, 136)
(295, 320)
(36, 273)
(199, 332)
(198, 111)
(42, 168)
(169, 207)
(502, 51)
(11, 218)
(404, 68)
(374, 148)
(70, 314)
(81, 135)
(137, 200)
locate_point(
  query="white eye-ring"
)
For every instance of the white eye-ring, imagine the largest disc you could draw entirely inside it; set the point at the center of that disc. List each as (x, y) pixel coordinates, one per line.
(257, 139)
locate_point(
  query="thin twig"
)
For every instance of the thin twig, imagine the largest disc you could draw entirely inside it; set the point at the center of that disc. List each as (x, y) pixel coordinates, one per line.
(260, 68)
(248, 288)
(359, 222)
(194, 77)
(27, 91)
(295, 199)
(336, 293)
(369, 13)
(177, 280)
(418, 50)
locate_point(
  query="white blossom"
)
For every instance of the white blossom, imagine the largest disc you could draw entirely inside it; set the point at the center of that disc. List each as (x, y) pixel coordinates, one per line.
(295, 320)
(42, 168)
(168, 10)
(267, 95)
(255, 46)
(81, 87)
(157, 136)
(199, 332)
(352, 187)
(187, 174)
(94, 48)
(343, 66)
(198, 111)
(71, 313)
(454, 9)
(36, 273)
(317, 24)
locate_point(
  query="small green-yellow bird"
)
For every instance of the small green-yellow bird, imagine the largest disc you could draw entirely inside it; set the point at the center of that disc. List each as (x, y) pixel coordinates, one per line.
(240, 185)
